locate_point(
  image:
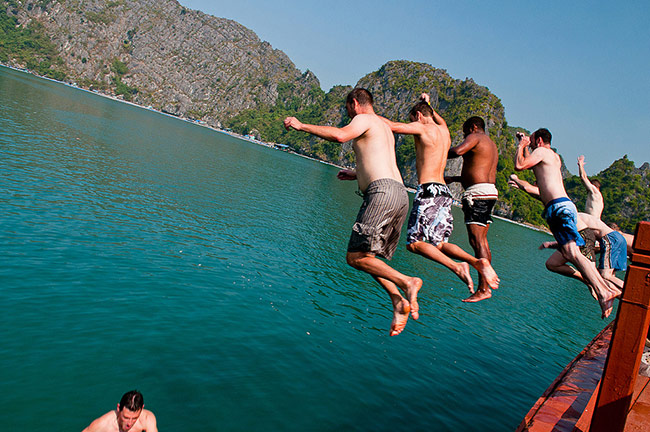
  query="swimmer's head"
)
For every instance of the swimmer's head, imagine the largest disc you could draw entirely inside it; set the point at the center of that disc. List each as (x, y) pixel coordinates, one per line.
(422, 108)
(361, 96)
(129, 409)
(596, 183)
(473, 124)
(542, 133)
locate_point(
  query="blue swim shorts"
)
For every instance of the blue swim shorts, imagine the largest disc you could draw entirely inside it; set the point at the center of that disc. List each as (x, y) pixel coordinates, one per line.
(613, 252)
(562, 218)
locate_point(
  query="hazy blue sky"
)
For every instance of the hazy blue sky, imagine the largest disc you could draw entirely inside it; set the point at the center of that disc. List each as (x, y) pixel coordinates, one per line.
(580, 69)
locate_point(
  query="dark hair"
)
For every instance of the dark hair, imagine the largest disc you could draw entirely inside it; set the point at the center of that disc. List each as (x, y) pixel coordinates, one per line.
(542, 133)
(423, 108)
(471, 122)
(614, 226)
(361, 95)
(596, 183)
(132, 400)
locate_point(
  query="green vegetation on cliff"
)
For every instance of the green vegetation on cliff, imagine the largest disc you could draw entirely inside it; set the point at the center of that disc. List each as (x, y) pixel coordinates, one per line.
(267, 121)
(193, 65)
(28, 46)
(625, 190)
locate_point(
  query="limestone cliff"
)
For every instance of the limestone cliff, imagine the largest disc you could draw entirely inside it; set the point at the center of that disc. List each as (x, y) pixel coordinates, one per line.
(175, 59)
(187, 63)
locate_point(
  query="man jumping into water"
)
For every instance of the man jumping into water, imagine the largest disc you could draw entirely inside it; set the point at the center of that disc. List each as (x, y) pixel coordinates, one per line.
(130, 416)
(431, 222)
(595, 204)
(560, 212)
(385, 201)
(478, 177)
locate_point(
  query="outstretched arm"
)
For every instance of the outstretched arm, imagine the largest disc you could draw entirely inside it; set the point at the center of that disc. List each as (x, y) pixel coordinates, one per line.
(413, 128)
(468, 144)
(357, 127)
(583, 175)
(518, 183)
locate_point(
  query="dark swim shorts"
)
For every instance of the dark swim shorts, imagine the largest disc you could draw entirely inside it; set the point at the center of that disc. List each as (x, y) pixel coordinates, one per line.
(380, 219)
(562, 218)
(431, 219)
(589, 249)
(479, 212)
(613, 252)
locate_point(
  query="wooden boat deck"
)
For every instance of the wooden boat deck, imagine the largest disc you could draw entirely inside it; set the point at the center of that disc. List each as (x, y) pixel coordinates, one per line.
(601, 390)
(638, 418)
(569, 402)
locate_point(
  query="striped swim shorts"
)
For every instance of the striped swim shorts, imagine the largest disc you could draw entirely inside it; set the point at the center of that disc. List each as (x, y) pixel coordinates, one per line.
(380, 219)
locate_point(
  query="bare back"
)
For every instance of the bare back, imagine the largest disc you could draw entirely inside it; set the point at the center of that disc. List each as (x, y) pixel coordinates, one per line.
(479, 163)
(549, 175)
(599, 227)
(431, 149)
(595, 204)
(375, 151)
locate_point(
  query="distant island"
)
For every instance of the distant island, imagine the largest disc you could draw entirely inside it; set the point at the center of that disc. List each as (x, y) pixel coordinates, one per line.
(215, 71)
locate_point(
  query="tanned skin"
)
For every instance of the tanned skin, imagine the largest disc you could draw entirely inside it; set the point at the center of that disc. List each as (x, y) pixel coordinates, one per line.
(546, 165)
(480, 158)
(374, 147)
(432, 142)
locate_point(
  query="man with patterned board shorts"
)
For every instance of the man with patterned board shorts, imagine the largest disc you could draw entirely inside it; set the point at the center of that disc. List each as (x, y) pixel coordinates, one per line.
(560, 213)
(431, 222)
(385, 201)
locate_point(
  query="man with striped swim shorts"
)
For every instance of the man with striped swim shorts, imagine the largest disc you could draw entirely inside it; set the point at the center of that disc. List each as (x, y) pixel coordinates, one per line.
(379, 222)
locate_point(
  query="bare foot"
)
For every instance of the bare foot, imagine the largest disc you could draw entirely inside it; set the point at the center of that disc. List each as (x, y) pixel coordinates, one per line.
(478, 296)
(606, 306)
(465, 276)
(489, 275)
(607, 303)
(400, 317)
(412, 289)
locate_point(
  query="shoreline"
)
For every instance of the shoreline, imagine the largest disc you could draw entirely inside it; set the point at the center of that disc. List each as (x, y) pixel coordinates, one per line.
(275, 146)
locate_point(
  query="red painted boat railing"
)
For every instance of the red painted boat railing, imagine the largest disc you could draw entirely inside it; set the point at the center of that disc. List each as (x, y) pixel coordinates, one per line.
(628, 340)
(595, 391)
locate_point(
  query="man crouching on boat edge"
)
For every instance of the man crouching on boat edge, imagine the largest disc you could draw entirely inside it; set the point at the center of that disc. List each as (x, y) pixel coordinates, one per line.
(385, 201)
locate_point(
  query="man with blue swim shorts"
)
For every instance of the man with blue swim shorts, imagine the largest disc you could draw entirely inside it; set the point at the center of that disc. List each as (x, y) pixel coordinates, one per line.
(535, 153)
(431, 222)
(613, 252)
(562, 218)
(613, 248)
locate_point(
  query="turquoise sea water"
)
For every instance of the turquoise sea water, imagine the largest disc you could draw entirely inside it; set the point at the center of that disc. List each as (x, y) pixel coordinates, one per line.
(140, 251)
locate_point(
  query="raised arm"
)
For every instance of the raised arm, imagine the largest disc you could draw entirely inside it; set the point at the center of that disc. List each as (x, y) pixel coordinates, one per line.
(525, 159)
(436, 117)
(357, 127)
(583, 175)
